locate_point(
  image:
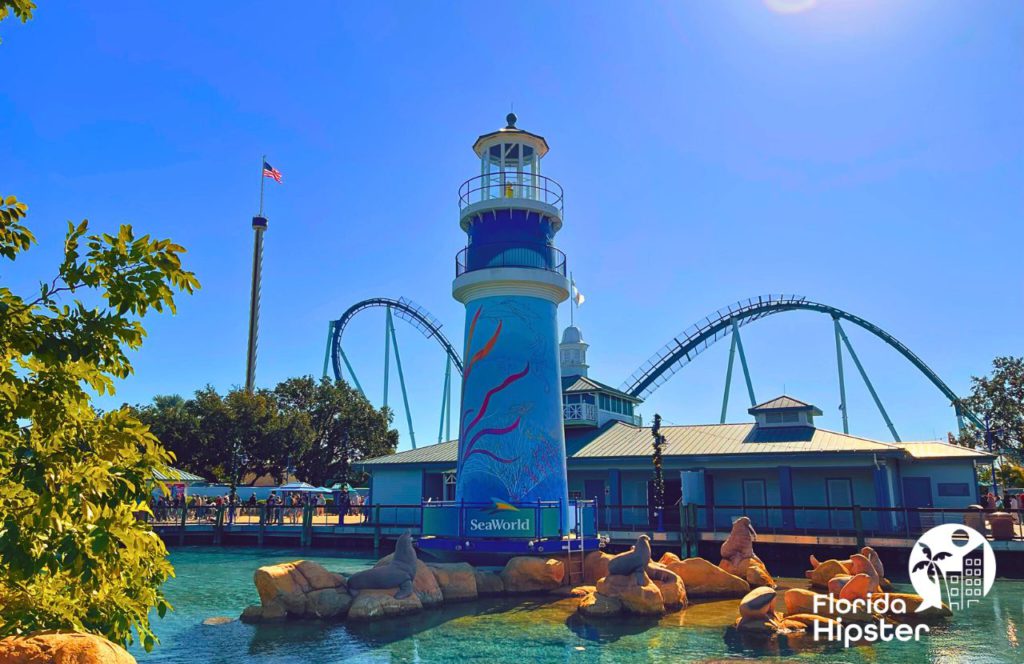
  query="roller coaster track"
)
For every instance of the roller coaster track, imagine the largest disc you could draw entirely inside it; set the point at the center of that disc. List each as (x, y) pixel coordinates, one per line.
(405, 309)
(682, 349)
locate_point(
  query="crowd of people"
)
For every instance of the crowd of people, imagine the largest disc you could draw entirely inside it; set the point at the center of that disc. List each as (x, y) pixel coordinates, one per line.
(284, 507)
(1008, 503)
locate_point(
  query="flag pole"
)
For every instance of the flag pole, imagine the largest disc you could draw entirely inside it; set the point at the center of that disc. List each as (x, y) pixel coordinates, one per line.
(263, 181)
(259, 225)
(572, 299)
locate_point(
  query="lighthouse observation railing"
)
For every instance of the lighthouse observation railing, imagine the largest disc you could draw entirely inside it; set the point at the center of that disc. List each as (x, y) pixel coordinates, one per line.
(508, 254)
(509, 185)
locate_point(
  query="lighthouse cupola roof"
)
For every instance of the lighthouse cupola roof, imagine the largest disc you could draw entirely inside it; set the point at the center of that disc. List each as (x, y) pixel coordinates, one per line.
(525, 144)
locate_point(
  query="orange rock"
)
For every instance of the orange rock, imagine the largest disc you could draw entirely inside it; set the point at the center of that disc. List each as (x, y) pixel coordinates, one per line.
(596, 605)
(317, 576)
(62, 648)
(373, 604)
(644, 600)
(488, 583)
(824, 572)
(702, 578)
(757, 574)
(786, 625)
(528, 574)
(800, 601)
(668, 558)
(912, 602)
(289, 587)
(456, 580)
(809, 619)
(595, 566)
(673, 593)
(572, 591)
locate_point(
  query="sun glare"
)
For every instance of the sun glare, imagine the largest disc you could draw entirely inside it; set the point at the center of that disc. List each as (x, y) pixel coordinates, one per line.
(790, 6)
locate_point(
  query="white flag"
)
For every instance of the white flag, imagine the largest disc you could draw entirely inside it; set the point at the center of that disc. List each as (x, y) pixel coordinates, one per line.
(577, 296)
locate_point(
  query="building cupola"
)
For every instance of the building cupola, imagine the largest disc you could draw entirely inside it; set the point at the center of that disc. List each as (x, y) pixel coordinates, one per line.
(572, 352)
(785, 411)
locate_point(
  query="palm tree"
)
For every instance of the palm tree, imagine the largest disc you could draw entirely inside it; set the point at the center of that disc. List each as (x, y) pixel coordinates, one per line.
(931, 563)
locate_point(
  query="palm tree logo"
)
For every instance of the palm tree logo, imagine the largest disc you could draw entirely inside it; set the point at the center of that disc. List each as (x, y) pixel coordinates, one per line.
(931, 565)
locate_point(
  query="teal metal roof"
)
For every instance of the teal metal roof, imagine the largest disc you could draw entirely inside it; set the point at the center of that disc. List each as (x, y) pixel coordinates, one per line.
(621, 440)
(446, 452)
(625, 440)
(583, 384)
(938, 450)
(176, 475)
(784, 403)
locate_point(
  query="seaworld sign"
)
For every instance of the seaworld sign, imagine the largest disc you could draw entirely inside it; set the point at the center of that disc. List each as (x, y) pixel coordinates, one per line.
(487, 524)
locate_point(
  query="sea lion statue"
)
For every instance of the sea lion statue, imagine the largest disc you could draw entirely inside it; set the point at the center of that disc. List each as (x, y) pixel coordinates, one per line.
(637, 561)
(398, 573)
(739, 546)
(634, 561)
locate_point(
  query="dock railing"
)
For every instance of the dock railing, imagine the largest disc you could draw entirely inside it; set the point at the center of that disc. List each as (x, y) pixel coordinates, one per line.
(822, 521)
(691, 521)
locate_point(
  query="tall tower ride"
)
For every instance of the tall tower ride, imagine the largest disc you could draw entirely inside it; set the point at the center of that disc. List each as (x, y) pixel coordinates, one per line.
(511, 278)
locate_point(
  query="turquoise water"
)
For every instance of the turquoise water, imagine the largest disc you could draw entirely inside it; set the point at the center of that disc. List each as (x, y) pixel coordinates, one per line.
(214, 582)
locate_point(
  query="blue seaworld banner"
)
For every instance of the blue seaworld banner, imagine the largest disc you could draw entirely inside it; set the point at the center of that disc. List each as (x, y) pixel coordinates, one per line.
(511, 442)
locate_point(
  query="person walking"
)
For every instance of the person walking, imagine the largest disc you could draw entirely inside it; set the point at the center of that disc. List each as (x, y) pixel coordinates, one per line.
(344, 504)
(321, 503)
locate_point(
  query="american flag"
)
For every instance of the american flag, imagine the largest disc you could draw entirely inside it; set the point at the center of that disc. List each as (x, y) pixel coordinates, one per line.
(271, 172)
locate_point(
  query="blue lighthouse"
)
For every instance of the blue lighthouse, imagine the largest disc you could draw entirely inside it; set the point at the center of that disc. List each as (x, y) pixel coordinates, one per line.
(511, 279)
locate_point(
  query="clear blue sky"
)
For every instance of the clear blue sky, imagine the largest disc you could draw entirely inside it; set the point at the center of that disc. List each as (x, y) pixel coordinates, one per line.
(865, 154)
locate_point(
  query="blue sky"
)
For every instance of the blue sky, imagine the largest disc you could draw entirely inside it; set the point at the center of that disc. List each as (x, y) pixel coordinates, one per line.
(864, 154)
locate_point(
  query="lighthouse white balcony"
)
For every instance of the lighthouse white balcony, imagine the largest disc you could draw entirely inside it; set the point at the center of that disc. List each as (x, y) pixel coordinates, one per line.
(510, 189)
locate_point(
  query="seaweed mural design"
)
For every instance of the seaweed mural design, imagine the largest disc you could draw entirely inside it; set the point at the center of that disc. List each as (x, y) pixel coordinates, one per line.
(542, 459)
(467, 430)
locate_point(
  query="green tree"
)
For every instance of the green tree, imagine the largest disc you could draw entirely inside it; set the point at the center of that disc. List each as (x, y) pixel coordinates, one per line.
(270, 440)
(1000, 397)
(73, 555)
(345, 428)
(21, 9)
(1008, 474)
(225, 438)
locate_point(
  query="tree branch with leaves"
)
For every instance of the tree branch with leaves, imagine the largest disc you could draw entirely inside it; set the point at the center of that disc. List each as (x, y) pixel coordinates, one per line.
(73, 553)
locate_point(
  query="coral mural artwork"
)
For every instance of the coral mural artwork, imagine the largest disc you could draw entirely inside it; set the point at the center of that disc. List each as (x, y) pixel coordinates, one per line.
(466, 429)
(510, 447)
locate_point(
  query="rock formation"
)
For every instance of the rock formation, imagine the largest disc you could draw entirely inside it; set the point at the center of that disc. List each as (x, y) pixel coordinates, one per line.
(595, 566)
(702, 578)
(757, 611)
(488, 583)
(301, 589)
(822, 572)
(643, 599)
(529, 574)
(304, 589)
(62, 648)
(738, 557)
(633, 584)
(456, 580)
